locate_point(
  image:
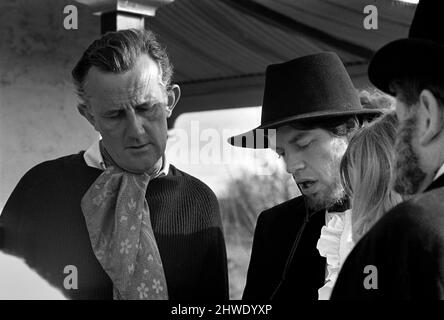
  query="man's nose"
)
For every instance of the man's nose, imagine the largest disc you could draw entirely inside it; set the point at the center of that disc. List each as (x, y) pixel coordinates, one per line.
(294, 163)
(135, 123)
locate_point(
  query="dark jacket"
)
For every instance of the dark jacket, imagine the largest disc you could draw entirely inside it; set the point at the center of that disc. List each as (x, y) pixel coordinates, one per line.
(406, 248)
(275, 234)
(42, 222)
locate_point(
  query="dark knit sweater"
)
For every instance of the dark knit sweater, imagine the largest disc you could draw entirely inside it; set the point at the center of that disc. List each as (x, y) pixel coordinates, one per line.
(42, 222)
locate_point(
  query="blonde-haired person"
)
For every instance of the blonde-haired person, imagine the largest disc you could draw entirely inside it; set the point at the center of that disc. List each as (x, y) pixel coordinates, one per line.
(366, 172)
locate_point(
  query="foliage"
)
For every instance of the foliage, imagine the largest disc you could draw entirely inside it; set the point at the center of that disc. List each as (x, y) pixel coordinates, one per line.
(248, 195)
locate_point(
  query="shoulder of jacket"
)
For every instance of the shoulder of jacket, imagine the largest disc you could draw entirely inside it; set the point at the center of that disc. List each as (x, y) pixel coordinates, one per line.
(283, 209)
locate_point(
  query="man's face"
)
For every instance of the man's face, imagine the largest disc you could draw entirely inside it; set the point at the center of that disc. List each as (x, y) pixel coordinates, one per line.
(129, 111)
(312, 157)
(409, 176)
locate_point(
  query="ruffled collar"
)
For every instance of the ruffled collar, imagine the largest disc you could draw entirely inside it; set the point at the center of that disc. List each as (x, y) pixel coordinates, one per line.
(335, 243)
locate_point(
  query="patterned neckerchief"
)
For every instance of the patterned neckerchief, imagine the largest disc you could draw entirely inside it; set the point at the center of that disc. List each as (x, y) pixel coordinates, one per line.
(119, 225)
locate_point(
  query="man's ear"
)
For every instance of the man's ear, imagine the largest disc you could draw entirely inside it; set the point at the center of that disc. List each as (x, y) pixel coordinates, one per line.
(85, 111)
(431, 121)
(173, 98)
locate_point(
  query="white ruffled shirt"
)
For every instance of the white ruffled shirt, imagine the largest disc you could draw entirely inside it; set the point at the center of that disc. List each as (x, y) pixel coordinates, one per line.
(335, 243)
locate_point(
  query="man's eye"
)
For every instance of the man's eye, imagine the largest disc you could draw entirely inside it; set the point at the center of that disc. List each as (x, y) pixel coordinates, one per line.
(304, 146)
(114, 115)
(148, 109)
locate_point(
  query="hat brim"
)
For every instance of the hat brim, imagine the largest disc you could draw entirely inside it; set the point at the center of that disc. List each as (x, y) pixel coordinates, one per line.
(404, 58)
(256, 142)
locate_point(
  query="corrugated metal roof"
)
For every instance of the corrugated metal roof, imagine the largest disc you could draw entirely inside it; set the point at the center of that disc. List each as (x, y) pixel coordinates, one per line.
(220, 48)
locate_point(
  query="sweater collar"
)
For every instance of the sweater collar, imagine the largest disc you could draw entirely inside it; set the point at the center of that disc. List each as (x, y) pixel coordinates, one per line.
(94, 159)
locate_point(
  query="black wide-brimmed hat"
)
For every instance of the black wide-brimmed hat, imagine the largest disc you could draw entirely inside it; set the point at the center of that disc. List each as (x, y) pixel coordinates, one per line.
(421, 54)
(309, 88)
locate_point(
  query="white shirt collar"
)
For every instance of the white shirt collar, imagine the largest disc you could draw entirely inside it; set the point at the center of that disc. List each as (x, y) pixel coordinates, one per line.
(330, 215)
(439, 173)
(93, 158)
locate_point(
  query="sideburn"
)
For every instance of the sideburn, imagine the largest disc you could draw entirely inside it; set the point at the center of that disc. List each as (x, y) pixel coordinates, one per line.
(408, 174)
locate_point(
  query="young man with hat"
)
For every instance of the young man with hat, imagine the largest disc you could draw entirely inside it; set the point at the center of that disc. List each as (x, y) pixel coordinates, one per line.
(309, 109)
(404, 251)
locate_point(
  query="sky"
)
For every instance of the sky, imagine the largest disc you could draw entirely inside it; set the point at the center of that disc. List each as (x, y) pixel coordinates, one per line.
(198, 146)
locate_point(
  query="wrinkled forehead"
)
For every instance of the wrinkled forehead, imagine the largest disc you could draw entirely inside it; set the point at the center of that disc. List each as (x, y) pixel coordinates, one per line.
(143, 83)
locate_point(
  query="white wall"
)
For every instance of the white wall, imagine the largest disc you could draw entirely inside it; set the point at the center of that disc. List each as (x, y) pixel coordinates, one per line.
(38, 115)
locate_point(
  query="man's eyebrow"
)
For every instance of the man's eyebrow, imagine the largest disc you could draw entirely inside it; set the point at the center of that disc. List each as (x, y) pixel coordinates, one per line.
(116, 108)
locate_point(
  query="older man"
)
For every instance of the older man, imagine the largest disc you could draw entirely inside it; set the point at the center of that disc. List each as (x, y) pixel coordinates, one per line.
(312, 107)
(118, 221)
(402, 256)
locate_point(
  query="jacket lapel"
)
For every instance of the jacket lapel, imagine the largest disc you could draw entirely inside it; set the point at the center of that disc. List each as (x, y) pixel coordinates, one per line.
(436, 184)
